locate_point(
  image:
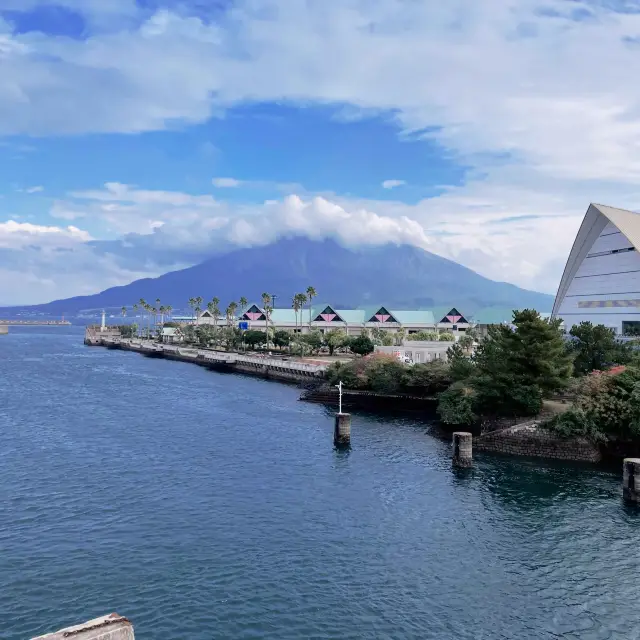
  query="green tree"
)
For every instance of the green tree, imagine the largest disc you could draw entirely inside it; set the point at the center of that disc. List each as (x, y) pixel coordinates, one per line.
(517, 367)
(456, 405)
(253, 338)
(123, 311)
(446, 336)
(428, 378)
(595, 348)
(243, 305)
(334, 339)
(313, 340)
(281, 338)
(423, 336)
(361, 345)
(266, 302)
(460, 365)
(385, 374)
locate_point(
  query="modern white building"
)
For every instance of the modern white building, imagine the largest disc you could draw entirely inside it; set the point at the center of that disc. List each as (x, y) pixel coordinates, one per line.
(601, 280)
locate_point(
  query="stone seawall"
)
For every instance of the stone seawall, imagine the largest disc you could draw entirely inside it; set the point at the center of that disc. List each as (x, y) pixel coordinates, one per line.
(529, 439)
(285, 370)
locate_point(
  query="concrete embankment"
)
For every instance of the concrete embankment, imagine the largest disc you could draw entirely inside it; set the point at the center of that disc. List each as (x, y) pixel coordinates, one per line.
(529, 439)
(286, 370)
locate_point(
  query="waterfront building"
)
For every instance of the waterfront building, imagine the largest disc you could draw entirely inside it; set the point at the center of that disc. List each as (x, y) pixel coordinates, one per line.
(601, 280)
(325, 317)
(417, 351)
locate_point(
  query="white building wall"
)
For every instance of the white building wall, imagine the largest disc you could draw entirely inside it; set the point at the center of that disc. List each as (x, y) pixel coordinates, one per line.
(609, 273)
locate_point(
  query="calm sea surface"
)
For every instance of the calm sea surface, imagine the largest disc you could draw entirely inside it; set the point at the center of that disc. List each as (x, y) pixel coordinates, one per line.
(204, 506)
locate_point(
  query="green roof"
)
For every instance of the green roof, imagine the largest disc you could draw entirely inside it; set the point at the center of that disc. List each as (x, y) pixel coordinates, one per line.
(493, 315)
(352, 315)
(413, 317)
(287, 315)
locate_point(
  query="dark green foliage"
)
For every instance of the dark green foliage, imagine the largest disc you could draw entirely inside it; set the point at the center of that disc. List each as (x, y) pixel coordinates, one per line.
(607, 405)
(595, 348)
(456, 405)
(460, 365)
(128, 330)
(281, 338)
(428, 379)
(361, 345)
(253, 338)
(313, 340)
(386, 374)
(517, 368)
(334, 339)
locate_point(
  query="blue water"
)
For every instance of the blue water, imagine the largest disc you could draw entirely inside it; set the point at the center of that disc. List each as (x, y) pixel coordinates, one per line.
(203, 505)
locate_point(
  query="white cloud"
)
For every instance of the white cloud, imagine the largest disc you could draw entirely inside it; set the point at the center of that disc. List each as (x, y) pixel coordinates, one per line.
(226, 183)
(544, 109)
(36, 189)
(391, 184)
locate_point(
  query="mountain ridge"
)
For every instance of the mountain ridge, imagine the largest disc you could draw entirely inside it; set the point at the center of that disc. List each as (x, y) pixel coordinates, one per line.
(397, 276)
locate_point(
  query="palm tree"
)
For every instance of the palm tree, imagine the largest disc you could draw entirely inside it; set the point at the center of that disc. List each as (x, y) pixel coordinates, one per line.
(233, 306)
(198, 307)
(311, 294)
(244, 303)
(143, 308)
(192, 304)
(301, 300)
(169, 310)
(266, 299)
(296, 308)
(163, 310)
(123, 311)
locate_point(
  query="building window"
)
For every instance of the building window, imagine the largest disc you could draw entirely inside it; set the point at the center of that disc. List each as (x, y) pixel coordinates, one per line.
(631, 327)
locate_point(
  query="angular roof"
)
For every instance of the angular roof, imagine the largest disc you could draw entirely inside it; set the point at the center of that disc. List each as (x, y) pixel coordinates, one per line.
(595, 220)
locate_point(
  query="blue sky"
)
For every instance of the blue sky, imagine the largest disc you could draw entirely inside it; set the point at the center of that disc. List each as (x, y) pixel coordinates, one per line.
(137, 137)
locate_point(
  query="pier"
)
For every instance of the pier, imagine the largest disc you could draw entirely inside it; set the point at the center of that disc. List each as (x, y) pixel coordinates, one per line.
(266, 367)
(5, 324)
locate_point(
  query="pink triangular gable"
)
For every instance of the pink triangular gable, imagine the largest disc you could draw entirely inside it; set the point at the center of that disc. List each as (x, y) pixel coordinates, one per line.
(327, 317)
(253, 315)
(453, 319)
(382, 318)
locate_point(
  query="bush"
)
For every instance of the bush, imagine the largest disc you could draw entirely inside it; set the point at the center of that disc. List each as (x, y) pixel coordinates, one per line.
(456, 405)
(574, 423)
(362, 345)
(446, 337)
(385, 374)
(423, 336)
(428, 379)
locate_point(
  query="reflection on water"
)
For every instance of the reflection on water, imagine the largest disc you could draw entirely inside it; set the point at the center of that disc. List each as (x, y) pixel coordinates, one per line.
(209, 506)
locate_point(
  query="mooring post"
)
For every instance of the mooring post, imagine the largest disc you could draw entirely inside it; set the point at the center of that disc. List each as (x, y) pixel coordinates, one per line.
(631, 479)
(342, 430)
(342, 425)
(462, 449)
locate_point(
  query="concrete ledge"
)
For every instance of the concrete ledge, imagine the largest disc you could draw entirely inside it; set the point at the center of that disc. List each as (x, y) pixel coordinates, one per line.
(109, 627)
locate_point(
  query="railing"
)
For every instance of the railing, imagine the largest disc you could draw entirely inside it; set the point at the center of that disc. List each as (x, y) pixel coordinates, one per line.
(214, 356)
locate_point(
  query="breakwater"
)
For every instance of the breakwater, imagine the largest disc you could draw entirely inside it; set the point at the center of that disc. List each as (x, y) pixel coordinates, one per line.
(266, 367)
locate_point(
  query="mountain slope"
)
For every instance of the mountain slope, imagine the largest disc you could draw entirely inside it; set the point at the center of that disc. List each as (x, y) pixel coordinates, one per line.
(396, 276)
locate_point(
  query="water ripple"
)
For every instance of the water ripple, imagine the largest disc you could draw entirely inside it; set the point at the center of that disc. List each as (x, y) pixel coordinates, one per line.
(209, 506)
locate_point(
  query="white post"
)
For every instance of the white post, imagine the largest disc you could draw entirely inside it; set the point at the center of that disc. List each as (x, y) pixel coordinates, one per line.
(339, 387)
(103, 325)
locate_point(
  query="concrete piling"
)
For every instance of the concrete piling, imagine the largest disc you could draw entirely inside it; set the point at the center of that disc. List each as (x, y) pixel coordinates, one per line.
(631, 479)
(342, 430)
(110, 627)
(462, 449)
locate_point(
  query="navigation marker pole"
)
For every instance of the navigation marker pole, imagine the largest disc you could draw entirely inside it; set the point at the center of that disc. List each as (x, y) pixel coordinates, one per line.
(342, 425)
